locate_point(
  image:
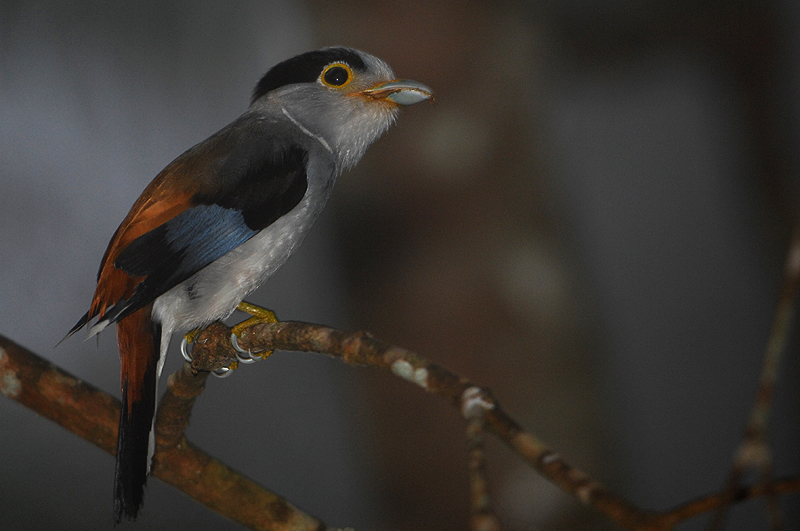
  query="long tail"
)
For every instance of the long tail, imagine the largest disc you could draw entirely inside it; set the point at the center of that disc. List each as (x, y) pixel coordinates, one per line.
(139, 339)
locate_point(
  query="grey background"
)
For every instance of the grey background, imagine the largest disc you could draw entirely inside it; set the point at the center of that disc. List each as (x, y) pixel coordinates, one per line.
(591, 220)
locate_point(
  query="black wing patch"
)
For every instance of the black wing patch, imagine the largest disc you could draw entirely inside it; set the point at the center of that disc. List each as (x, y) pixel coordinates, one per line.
(253, 188)
(262, 189)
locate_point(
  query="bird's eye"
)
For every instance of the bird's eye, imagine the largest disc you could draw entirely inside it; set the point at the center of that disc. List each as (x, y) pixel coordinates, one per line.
(336, 75)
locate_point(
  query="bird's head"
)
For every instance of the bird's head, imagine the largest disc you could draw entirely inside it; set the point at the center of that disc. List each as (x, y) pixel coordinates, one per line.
(345, 98)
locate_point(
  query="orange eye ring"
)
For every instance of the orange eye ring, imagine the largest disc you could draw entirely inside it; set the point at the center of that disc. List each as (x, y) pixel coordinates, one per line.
(336, 75)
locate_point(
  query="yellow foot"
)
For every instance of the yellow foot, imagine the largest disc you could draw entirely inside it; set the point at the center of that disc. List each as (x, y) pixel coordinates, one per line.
(259, 315)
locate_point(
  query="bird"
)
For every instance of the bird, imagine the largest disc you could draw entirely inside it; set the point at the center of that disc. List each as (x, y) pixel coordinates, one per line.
(223, 216)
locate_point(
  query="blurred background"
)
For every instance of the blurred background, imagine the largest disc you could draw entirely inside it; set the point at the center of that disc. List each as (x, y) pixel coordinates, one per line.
(591, 221)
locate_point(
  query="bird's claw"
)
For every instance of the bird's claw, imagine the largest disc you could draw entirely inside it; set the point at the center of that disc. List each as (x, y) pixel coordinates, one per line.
(222, 372)
(236, 347)
(260, 315)
(244, 356)
(185, 349)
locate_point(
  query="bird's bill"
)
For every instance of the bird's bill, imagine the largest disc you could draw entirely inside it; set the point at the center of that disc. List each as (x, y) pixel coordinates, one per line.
(400, 91)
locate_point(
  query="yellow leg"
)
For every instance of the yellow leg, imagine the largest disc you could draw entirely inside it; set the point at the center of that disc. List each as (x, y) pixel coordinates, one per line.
(259, 315)
(266, 316)
(191, 334)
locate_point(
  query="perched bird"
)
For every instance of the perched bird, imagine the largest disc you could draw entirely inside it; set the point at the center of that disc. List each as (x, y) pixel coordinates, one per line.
(224, 216)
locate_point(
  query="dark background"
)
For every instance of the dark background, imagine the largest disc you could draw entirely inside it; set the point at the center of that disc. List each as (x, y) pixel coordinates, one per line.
(591, 221)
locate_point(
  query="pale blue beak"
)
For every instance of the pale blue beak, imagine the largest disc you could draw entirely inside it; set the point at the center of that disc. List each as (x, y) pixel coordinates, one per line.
(401, 92)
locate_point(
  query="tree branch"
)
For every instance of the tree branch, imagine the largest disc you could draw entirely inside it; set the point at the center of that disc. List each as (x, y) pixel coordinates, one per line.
(360, 348)
(94, 416)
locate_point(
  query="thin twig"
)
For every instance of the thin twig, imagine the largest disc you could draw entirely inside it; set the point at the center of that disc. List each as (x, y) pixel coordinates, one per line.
(473, 408)
(754, 450)
(713, 502)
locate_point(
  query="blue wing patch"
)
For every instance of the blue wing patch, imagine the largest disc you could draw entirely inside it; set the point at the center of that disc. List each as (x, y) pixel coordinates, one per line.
(174, 251)
(188, 242)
